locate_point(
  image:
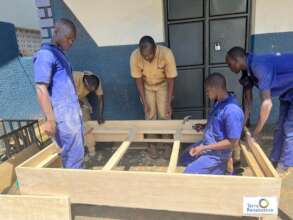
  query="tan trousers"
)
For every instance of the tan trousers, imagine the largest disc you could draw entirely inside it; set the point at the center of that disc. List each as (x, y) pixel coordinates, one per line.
(156, 100)
(86, 110)
(86, 115)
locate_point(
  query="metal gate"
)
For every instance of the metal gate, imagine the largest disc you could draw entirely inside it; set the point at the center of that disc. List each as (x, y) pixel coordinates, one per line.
(200, 32)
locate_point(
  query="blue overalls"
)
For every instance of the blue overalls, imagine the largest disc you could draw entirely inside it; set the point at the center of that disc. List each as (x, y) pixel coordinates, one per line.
(52, 68)
(274, 72)
(225, 121)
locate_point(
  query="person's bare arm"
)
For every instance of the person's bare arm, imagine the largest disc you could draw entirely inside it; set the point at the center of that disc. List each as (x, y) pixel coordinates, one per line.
(101, 109)
(221, 145)
(140, 88)
(265, 110)
(46, 106)
(170, 82)
(247, 102)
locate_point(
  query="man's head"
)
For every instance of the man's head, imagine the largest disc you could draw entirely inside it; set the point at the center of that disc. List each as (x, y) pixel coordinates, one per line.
(91, 82)
(64, 33)
(236, 59)
(147, 48)
(215, 85)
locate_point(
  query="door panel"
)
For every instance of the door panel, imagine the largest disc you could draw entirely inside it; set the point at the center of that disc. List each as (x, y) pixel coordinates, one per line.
(220, 7)
(186, 41)
(225, 34)
(189, 89)
(182, 9)
(194, 29)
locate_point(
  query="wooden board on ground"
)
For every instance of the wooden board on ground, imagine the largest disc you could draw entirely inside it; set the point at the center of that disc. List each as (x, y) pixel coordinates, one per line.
(16, 207)
(205, 194)
(7, 172)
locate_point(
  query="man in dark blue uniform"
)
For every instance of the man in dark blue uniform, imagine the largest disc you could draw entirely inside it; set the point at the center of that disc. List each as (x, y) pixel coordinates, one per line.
(57, 94)
(221, 133)
(272, 74)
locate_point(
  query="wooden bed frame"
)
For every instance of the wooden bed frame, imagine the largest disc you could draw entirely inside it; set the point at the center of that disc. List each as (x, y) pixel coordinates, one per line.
(170, 190)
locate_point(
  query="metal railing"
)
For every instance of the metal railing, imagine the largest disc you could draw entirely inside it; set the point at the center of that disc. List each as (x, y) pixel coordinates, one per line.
(16, 135)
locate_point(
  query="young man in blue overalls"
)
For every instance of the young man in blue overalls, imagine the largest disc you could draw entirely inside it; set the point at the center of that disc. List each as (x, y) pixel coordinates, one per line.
(272, 74)
(221, 133)
(57, 94)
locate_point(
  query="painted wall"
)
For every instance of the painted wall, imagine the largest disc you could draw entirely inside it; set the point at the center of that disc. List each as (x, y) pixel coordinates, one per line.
(22, 13)
(105, 42)
(17, 94)
(272, 32)
(112, 22)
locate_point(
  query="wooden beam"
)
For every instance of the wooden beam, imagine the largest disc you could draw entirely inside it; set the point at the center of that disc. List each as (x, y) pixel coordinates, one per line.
(116, 157)
(117, 131)
(252, 162)
(206, 194)
(15, 207)
(260, 156)
(7, 172)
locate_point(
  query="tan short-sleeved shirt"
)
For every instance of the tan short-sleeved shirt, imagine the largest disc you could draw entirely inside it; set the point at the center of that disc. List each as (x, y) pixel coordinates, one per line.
(155, 73)
(82, 91)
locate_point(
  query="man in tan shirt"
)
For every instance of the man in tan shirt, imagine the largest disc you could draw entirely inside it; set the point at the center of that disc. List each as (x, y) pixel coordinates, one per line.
(85, 83)
(154, 69)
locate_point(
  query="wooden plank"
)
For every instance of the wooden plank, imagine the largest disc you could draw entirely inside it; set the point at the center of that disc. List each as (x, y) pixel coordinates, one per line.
(207, 194)
(15, 207)
(143, 124)
(163, 169)
(7, 172)
(48, 161)
(252, 162)
(260, 156)
(41, 156)
(116, 157)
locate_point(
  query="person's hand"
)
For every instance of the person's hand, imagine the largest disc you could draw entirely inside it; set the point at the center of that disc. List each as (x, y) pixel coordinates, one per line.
(50, 128)
(195, 151)
(146, 108)
(168, 110)
(199, 127)
(256, 136)
(101, 120)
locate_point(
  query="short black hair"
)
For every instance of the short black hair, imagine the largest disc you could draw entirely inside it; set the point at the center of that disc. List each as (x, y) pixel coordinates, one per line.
(236, 52)
(146, 41)
(92, 80)
(67, 23)
(216, 80)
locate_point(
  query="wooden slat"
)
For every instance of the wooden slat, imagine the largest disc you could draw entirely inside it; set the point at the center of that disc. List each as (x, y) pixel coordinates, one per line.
(7, 172)
(207, 194)
(252, 162)
(16, 207)
(116, 157)
(174, 157)
(260, 156)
